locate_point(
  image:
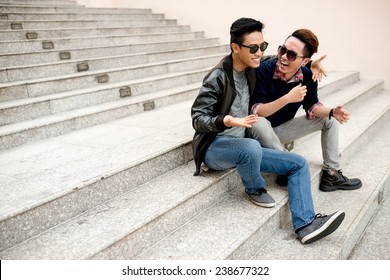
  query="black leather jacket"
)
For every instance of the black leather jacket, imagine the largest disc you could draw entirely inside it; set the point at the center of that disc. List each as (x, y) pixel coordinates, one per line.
(212, 104)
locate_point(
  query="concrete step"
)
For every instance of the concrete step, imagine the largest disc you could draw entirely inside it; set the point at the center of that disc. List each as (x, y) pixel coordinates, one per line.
(39, 44)
(48, 56)
(109, 61)
(42, 3)
(8, 35)
(57, 16)
(141, 123)
(64, 9)
(134, 21)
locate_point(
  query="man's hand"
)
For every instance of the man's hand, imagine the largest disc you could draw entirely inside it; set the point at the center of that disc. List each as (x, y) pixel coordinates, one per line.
(340, 114)
(317, 69)
(296, 94)
(247, 122)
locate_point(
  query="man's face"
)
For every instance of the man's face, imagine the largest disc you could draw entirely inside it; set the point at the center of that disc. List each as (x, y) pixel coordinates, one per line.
(289, 68)
(242, 57)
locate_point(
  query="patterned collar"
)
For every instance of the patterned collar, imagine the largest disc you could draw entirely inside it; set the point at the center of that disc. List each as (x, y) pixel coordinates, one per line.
(279, 75)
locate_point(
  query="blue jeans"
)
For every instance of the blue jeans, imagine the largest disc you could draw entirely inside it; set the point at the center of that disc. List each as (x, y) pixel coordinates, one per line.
(250, 158)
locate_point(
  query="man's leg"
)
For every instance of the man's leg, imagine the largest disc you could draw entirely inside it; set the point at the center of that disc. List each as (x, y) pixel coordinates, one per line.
(246, 155)
(332, 178)
(301, 126)
(299, 186)
(263, 132)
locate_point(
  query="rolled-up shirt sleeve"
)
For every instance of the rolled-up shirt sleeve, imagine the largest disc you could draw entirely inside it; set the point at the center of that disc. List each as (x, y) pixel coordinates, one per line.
(310, 114)
(254, 108)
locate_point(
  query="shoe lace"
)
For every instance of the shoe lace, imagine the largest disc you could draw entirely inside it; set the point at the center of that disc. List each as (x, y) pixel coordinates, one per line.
(319, 215)
(260, 191)
(342, 176)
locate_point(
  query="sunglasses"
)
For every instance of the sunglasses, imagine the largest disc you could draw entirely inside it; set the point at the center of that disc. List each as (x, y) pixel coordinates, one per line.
(254, 48)
(291, 55)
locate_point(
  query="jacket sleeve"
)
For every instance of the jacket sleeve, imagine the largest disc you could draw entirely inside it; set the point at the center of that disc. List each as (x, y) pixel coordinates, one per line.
(205, 109)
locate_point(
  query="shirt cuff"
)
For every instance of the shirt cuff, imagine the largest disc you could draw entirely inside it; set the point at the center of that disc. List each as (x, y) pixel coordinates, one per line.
(254, 108)
(310, 113)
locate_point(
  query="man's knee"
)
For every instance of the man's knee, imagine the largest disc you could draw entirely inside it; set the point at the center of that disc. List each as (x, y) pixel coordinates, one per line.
(261, 125)
(330, 123)
(252, 146)
(263, 132)
(299, 160)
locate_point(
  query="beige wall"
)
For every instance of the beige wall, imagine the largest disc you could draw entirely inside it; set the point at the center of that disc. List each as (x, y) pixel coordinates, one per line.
(354, 33)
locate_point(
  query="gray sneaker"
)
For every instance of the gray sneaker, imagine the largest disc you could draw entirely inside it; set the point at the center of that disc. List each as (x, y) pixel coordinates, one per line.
(321, 226)
(261, 197)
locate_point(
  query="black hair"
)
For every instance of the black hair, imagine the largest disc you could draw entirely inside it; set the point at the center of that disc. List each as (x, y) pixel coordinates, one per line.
(242, 27)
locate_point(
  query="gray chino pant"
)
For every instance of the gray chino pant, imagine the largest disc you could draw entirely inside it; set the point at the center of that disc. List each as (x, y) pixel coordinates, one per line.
(298, 127)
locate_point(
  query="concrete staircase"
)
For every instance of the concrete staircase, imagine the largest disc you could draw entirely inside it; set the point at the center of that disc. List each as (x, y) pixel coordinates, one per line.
(95, 149)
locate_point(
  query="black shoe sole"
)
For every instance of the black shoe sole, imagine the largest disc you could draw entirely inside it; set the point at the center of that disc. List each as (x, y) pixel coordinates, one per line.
(326, 188)
(331, 228)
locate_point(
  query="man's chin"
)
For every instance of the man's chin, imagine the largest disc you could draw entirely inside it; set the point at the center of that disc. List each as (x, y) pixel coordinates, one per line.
(255, 64)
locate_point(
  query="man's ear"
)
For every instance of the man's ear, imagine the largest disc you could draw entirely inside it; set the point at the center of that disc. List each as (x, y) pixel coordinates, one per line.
(235, 47)
(306, 61)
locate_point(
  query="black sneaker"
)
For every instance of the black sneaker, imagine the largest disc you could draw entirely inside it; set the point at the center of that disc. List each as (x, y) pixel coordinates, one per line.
(338, 181)
(282, 180)
(321, 226)
(261, 197)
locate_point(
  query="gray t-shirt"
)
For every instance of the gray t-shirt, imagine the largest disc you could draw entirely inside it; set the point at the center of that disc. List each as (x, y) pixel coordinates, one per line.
(240, 104)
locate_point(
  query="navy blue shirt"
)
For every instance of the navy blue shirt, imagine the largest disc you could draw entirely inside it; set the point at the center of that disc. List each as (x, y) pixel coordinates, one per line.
(268, 89)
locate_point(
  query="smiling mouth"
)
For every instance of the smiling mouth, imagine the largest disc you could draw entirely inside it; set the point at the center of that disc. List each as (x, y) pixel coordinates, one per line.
(285, 64)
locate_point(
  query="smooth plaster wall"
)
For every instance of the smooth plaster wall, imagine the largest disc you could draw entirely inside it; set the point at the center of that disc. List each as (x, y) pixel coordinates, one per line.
(355, 34)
